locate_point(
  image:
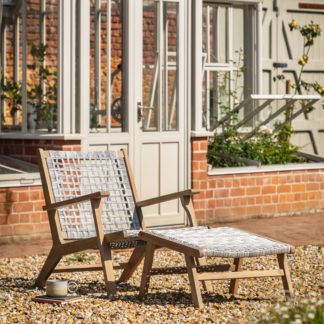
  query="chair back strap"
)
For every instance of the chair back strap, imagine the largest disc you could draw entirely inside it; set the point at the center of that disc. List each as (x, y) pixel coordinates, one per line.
(75, 174)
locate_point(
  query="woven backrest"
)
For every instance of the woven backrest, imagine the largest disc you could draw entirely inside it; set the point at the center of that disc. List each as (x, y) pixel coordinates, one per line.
(75, 174)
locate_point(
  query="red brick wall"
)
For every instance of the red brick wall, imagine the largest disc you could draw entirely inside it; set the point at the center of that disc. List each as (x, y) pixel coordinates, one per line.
(21, 214)
(238, 196)
(26, 149)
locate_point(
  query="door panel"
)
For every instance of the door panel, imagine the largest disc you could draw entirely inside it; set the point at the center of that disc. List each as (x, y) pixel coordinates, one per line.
(169, 175)
(160, 136)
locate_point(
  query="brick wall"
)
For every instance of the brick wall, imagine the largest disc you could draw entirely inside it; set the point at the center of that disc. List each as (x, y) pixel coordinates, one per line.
(21, 214)
(239, 196)
(26, 149)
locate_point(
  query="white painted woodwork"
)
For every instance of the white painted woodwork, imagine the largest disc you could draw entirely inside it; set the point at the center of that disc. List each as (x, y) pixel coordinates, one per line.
(157, 156)
(283, 46)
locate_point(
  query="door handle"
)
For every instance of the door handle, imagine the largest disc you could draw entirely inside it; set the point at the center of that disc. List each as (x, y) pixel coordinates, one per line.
(140, 111)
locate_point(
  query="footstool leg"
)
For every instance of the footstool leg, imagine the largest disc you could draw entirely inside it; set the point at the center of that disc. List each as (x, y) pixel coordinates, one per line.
(206, 284)
(194, 282)
(235, 282)
(286, 279)
(148, 261)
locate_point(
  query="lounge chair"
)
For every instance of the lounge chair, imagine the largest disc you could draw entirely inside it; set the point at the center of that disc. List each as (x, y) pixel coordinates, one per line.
(91, 201)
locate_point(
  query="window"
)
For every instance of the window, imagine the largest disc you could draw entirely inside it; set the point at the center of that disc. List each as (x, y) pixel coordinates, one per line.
(29, 60)
(107, 112)
(228, 50)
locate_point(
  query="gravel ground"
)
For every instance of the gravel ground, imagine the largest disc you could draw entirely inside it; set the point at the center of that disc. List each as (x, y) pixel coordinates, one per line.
(169, 299)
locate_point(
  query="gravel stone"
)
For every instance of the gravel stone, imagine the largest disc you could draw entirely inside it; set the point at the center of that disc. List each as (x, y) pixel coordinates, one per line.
(168, 300)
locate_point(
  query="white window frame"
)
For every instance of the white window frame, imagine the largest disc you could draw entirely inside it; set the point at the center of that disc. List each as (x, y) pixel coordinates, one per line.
(197, 57)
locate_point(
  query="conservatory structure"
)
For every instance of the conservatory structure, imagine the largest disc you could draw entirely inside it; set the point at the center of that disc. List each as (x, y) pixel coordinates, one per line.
(154, 77)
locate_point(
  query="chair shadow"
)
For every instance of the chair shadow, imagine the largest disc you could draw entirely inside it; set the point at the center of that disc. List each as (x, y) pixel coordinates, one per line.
(178, 298)
(9, 284)
(184, 299)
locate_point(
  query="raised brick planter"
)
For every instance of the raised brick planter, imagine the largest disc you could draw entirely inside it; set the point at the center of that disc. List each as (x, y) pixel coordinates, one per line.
(237, 196)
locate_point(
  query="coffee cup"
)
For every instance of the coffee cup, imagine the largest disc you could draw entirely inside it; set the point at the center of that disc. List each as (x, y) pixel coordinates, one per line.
(60, 288)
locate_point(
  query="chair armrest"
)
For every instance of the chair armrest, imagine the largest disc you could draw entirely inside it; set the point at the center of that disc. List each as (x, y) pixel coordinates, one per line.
(95, 195)
(160, 199)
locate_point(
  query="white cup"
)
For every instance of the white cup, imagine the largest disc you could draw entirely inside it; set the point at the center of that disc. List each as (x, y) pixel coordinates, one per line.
(60, 288)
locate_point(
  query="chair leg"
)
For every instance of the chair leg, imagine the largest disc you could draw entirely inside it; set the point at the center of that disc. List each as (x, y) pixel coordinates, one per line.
(108, 270)
(148, 261)
(286, 279)
(135, 259)
(206, 284)
(235, 282)
(194, 282)
(51, 262)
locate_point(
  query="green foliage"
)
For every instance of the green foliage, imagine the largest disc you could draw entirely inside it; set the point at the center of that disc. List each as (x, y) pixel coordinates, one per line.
(80, 257)
(11, 91)
(227, 149)
(306, 311)
(231, 149)
(43, 94)
(309, 32)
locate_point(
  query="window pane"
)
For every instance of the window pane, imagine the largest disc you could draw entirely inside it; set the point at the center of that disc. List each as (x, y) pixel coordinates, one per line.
(216, 98)
(170, 102)
(160, 57)
(41, 70)
(106, 44)
(215, 33)
(151, 75)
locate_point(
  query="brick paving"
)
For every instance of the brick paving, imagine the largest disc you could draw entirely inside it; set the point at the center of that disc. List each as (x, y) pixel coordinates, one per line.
(296, 230)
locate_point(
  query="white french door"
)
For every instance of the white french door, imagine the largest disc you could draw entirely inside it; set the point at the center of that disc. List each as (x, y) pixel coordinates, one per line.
(160, 119)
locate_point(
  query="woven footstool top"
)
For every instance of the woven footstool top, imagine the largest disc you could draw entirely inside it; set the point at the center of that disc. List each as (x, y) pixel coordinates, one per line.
(226, 242)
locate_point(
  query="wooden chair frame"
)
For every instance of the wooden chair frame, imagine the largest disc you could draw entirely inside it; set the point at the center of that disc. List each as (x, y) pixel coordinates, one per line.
(63, 246)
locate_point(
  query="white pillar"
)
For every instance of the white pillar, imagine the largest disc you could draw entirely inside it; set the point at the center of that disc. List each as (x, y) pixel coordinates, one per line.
(66, 61)
(259, 88)
(132, 61)
(197, 72)
(83, 68)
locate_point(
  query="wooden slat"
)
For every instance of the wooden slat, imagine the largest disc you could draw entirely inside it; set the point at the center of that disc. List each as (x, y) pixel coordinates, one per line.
(240, 275)
(164, 198)
(133, 187)
(86, 267)
(53, 217)
(180, 247)
(79, 268)
(104, 248)
(95, 195)
(183, 270)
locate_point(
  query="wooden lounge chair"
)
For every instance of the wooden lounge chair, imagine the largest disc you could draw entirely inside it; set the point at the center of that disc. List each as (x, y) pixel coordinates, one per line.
(200, 242)
(92, 203)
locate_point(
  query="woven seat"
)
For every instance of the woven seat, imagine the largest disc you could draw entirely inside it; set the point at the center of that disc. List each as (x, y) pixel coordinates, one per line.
(225, 242)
